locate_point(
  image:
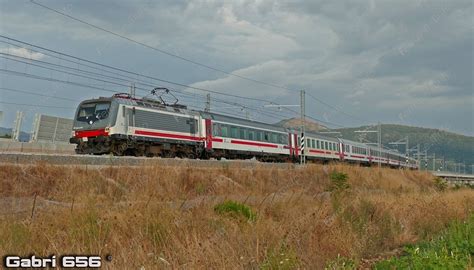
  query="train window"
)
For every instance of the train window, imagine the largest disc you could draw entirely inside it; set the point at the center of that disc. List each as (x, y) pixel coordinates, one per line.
(274, 138)
(93, 112)
(313, 143)
(251, 135)
(215, 129)
(266, 136)
(281, 139)
(243, 133)
(308, 142)
(259, 136)
(225, 131)
(326, 145)
(317, 144)
(234, 132)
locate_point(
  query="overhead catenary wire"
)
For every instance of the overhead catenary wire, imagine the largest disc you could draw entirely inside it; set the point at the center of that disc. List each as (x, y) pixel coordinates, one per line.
(154, 48)
(183, 58)
(334, 107)
(34, 105)
(142, 89)
(35, 93)
(186, 86)
(139, 75)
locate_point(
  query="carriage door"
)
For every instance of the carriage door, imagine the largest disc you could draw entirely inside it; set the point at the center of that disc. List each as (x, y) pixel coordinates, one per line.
(208, 123)
(295, 144)
(341, 150)
(290, 143)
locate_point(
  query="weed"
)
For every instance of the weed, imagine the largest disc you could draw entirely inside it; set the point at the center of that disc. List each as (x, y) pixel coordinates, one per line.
(235, 209)
(282, 258)
(454, 249)
(440, 184)
(338, 181)
(137, 214)
(341, 263)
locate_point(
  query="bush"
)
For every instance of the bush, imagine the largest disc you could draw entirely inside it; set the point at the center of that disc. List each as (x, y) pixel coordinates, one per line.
(440, 184)
(235, 209)
(338, 181)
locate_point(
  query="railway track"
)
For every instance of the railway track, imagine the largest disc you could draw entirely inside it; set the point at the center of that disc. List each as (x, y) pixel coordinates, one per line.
(106, 160)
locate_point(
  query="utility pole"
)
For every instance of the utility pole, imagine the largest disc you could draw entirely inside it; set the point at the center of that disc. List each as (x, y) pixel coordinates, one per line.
(303, 157)
(17, 127)
(379, 141)
(418, 155)
(132, 90)
(208, 103)
(434, 162)
(407, 150)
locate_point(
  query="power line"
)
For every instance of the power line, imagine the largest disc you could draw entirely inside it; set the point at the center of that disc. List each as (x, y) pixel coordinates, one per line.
(125, 71)
(154, 48)
(137, 74)
(36, 94)
(180, 57)
(333, 107)
(34, 105)
(143, 89)
(32, 76)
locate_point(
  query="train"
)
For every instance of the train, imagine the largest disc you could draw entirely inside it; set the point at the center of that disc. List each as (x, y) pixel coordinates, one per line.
(125, 125)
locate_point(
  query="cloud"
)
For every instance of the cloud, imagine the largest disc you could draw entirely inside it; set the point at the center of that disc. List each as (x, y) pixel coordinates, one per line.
(22, 52)
(374, 59)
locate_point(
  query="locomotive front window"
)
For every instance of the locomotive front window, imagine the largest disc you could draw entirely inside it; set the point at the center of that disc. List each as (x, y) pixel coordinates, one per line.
(92, 112)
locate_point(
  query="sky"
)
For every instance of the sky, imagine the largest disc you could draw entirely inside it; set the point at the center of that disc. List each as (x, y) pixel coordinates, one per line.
(405, 62)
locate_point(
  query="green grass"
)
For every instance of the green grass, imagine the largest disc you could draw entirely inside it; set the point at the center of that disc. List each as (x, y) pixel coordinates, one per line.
(454, 249)
(235, 209)
(283, 258)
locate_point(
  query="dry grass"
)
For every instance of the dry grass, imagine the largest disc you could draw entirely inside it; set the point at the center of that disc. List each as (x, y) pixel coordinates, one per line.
(163, 217)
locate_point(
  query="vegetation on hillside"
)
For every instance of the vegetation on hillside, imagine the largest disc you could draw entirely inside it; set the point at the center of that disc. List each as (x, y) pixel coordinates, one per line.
(225, 216)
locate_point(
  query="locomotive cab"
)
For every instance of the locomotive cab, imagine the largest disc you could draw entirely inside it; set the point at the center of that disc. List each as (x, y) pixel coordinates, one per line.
(91, 125)
(94, 114)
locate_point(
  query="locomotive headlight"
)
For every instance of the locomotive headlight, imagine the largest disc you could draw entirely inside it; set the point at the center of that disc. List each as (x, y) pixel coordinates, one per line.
(107, 129)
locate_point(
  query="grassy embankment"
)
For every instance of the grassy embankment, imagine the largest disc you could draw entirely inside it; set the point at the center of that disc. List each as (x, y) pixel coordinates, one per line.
(226, 217)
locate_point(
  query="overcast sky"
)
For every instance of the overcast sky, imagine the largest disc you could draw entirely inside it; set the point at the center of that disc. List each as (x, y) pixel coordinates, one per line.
(407, 62)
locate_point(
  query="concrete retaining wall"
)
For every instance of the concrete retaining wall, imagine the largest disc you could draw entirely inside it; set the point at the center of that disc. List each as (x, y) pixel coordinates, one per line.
(36, 147)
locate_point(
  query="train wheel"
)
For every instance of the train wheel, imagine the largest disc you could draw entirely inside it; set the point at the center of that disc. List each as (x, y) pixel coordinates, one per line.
(119, 149)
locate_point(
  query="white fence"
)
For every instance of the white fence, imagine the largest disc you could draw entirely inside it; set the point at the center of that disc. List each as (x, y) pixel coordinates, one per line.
(51, 129)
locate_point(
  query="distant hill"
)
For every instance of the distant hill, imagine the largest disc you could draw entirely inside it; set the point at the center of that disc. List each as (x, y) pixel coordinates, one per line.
(7, 132)
(442, 143)
(295, 123)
